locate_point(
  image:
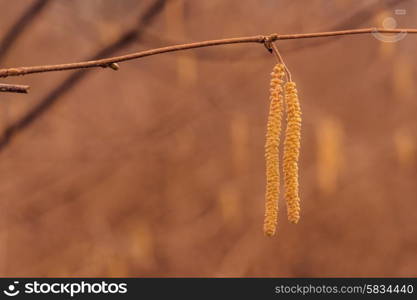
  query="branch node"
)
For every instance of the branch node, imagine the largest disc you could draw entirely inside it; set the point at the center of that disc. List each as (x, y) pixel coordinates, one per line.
(113, 66)
(12, 72)
(267, 40)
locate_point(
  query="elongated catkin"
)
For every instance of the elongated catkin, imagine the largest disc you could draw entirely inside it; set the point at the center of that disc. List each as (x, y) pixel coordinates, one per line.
(272, 150)
(292, 152)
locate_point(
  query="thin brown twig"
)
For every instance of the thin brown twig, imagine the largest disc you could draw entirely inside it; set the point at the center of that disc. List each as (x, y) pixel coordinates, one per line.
(361, 16)
(252, 39)
(14, 88)
(281, 60)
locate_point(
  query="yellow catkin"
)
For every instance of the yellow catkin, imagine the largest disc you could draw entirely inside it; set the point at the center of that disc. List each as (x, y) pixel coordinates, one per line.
(272, 150)
(291, 152)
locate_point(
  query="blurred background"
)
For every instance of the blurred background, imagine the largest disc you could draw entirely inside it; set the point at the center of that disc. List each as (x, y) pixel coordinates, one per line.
(158, 169)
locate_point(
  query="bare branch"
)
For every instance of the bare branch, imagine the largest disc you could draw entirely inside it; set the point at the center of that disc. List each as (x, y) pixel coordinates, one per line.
(251, 39)
(20, 25)
(14, 88)
(45, 103)
(361, 16)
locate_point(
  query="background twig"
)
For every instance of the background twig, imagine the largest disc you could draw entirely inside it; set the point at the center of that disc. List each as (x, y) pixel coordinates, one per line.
(20, 25)
(129, 36)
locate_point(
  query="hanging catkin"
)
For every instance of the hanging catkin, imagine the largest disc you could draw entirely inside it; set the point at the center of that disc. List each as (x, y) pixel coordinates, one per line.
(291, 152)
(272, 150)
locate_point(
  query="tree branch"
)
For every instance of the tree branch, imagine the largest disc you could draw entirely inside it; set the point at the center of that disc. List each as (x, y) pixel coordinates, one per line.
(252, 39)
(361, 16)
(14, 88)
(21, 24)
(51, 98)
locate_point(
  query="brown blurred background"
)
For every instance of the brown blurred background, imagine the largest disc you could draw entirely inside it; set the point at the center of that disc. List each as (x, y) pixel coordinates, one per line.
(158, 169)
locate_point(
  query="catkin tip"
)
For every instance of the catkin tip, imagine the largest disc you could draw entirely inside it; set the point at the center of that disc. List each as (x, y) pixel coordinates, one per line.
(269, 233)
